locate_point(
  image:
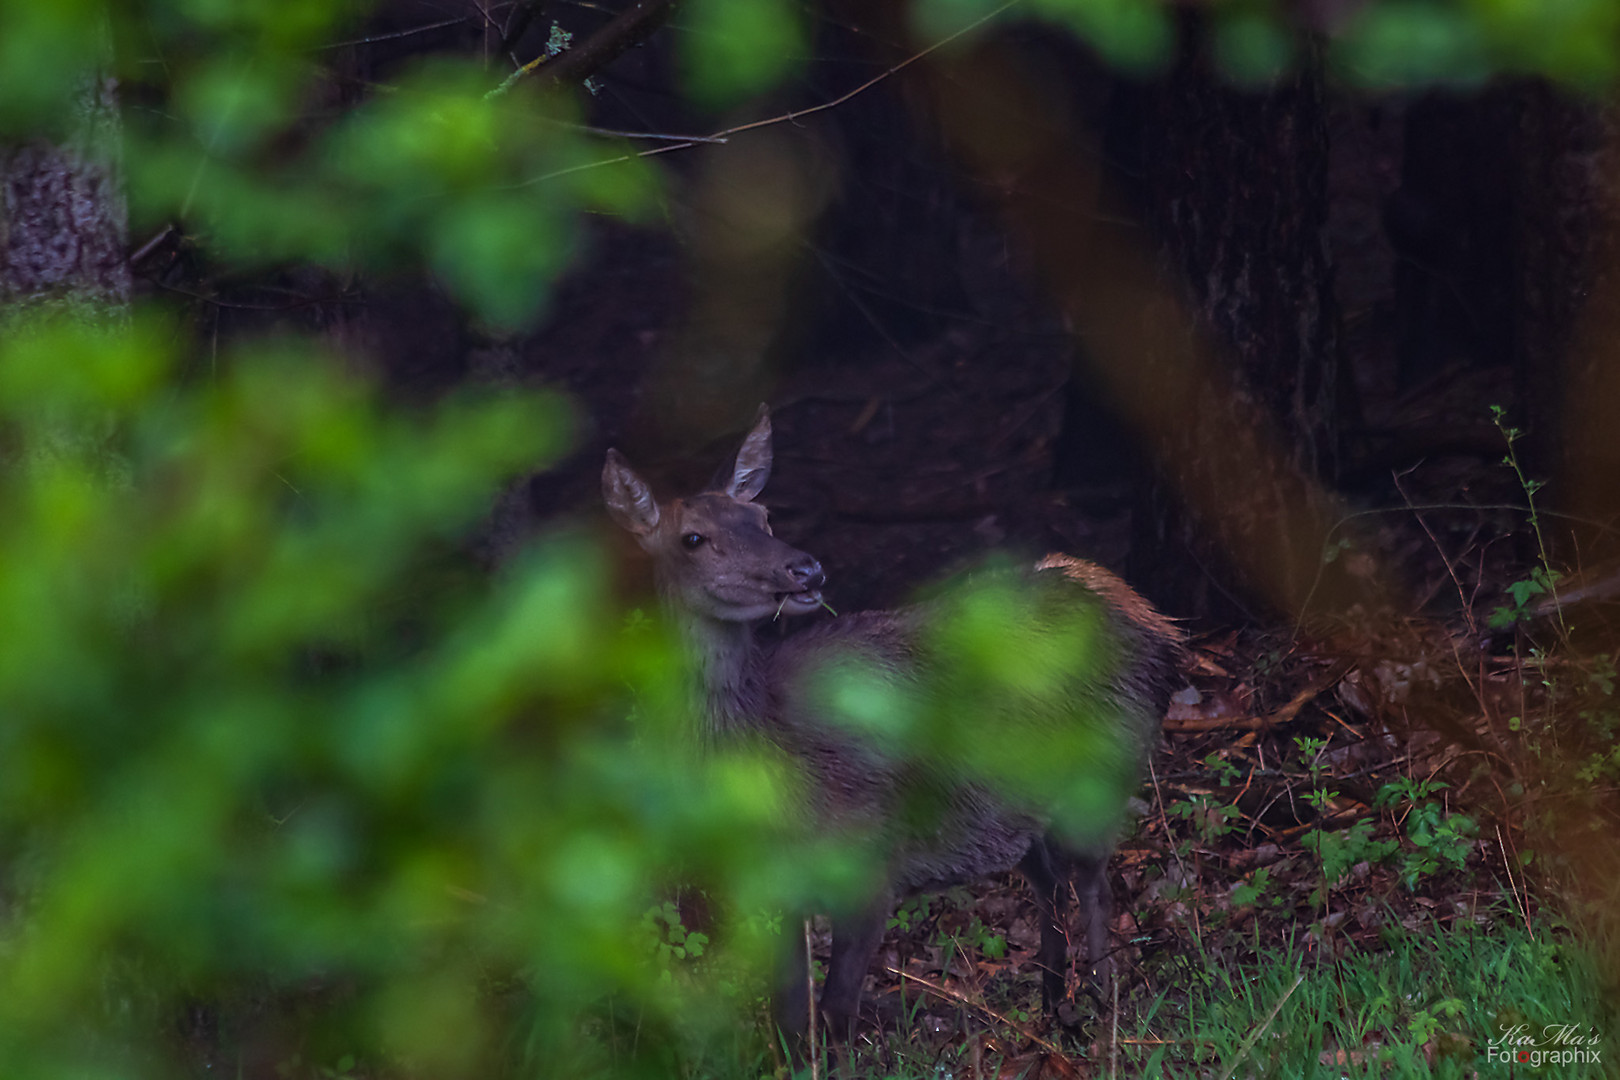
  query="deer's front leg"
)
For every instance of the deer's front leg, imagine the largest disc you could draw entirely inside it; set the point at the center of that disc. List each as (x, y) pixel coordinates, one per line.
(792, 1002)
(855, 941)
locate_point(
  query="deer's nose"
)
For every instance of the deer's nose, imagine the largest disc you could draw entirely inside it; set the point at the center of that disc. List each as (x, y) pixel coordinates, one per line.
(806, 572)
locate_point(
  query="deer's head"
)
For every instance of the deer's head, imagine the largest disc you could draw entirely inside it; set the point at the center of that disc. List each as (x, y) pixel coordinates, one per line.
(713, 552)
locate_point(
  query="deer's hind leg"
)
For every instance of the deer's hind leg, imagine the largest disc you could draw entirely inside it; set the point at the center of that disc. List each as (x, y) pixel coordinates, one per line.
(1052, 870)
(1048, 878)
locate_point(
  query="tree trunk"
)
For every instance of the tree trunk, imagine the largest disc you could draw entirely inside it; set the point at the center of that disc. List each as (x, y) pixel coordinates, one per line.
(1569, 296)
(62, 236)
(1233, 186)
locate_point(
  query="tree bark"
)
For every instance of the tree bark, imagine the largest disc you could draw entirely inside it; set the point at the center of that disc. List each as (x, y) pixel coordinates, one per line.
(1568, 291)
(1232, 184)
(1212, 331)
(64, 223)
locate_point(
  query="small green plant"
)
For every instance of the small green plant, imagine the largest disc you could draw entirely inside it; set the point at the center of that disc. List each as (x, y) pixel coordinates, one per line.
(919, 911)
(1339, 851)
(1426, 1022)
(1333, 549)
(1268, 661)
(342, 1069)
(975, 936)
(1209, 819)
(1310, 750)
(913, 913)
(1601, 674)
(1224, 771)
(1543, 579)
(1407, 790)
(671, 942)
(1320, 798)
(1442, 840)
(1250, 891)
(1522, 594)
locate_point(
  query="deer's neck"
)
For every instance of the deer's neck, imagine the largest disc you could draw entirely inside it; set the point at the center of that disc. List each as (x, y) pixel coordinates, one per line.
(731, 675)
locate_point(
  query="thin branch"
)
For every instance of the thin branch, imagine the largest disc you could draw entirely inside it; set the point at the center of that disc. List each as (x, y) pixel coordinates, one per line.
(810, 998)
(624, 31)
(650, 135)
(151, 245)
(395, 36)
(1520, 900)
(1254, 1036)
(518, 21)
(952, 995)
(869, 83)
(784, 118)
(230, 305)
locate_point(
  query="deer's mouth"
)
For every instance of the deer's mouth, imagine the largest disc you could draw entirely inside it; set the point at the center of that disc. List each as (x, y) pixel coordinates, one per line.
(801, 602)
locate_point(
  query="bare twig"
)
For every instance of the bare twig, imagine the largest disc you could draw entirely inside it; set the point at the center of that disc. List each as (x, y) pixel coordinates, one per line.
(624, 31)
(961, 999)
(1520, 900)
(1476, 687)
(784, 118)
(395, 36)
(1317, 686)
(1169, 838)
(1113, 1035)
(810, 996)
(1248, 1044)
(518, 20)
(151, 245)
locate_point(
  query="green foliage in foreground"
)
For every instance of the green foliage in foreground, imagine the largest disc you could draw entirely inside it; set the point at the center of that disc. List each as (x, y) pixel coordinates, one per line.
(277, 757)
(270, 748)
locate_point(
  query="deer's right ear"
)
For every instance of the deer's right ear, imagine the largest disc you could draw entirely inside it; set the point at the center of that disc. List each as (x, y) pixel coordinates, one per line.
(629, 500)
(753, 466)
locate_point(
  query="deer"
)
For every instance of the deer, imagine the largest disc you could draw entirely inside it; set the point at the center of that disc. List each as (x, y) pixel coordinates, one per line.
(720, 571)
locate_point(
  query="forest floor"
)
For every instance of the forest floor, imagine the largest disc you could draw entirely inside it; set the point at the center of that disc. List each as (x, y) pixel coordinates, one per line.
(1418, 796)
(1376, 840)
(1425, 834)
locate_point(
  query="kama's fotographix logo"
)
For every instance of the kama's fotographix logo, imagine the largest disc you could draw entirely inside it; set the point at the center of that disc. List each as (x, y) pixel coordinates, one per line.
(1553, 1044)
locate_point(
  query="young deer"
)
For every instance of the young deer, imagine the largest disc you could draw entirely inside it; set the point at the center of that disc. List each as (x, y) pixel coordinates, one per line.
(720, 570)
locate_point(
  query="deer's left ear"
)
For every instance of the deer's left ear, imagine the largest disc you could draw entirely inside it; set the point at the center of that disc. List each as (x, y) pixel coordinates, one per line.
(629, 499)
(753, 465)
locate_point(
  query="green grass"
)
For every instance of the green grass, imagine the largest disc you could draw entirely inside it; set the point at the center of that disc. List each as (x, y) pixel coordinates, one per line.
(1435, 1002)
(1425, 1003)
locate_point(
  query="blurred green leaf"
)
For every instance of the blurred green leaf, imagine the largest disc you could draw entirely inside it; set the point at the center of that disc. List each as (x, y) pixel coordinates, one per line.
(735, 48)
(45, 51)
(1252, 49)
(937, 20)
(1575, 40)
(1400, 42)
(1135, 34)
(498, 253)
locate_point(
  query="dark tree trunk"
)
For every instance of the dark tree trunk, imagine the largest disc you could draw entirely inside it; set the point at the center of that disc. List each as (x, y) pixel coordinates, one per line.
(1451, 225)
(1211, 332)
(62, 237)
(1233, 186)
(1568, 292)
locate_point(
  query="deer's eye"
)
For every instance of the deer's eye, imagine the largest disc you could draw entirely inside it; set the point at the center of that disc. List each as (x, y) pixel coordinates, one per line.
(692, 541)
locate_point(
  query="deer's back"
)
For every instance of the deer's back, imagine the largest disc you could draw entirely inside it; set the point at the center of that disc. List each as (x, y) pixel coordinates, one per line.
(859, 701)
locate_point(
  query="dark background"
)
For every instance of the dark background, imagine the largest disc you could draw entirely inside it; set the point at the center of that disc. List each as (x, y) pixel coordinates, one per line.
(1008, 296)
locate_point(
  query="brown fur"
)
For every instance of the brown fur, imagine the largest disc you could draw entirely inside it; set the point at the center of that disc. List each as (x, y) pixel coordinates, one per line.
(720, 570)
